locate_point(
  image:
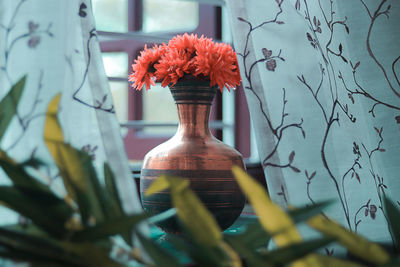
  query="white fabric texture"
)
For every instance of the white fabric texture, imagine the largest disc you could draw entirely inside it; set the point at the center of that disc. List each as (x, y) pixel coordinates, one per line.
(54, 43)
(322, 84)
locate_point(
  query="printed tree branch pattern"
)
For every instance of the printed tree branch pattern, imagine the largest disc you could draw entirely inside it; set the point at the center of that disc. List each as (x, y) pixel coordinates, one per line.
(32, 34)
(99, 104)
(56, 48)
(322, 83)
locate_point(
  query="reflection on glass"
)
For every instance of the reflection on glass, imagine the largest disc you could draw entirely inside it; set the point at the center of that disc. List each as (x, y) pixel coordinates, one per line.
(159, 106)
(115, 64)
(161, 15)
(111, 15)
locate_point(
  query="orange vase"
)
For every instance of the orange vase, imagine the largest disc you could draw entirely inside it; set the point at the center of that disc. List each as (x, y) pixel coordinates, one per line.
(194, 153)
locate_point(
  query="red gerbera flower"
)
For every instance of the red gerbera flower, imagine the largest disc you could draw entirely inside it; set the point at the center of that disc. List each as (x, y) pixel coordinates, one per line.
(186, 55)
(218, 61)
(187, 44)
(143, 69)
(172, 66)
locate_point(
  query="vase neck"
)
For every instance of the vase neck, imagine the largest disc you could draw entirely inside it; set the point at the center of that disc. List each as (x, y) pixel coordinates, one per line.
(193, 120)
(193, 100)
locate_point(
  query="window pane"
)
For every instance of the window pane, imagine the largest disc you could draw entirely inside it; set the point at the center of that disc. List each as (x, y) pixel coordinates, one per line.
(111, 15)
(116, 64)
(159, 106)
(162, 15)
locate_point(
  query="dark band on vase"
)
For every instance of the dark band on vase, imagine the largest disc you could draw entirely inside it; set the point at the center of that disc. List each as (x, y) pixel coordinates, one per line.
(195, 94)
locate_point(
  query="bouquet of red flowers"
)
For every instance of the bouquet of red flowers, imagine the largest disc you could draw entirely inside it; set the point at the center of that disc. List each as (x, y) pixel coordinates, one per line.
(186, 55)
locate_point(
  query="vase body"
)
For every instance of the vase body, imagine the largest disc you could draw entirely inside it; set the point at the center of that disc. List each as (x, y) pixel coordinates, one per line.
(195, 154)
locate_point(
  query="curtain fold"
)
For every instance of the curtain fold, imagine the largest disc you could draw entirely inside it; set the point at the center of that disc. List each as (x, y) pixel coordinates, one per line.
(55, 44)
(322, 84)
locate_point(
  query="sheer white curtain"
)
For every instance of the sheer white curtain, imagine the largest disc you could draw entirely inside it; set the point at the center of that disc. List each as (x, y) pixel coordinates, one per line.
(54, 43)
(322, 84)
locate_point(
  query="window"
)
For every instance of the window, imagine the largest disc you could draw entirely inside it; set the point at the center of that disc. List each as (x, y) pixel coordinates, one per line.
(115, 21)
(175, 15)
(124, 27)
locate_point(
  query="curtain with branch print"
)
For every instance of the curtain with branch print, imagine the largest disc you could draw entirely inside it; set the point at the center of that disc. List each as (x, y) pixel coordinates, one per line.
(54, 44)
(322, 83)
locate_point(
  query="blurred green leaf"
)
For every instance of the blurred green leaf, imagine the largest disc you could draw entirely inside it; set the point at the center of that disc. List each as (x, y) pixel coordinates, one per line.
(66, 159)
(108, 228)
(52, 129)
(250, 256)
(302, 214)
(92, 254)
(356, 244)
(169, 213)
(232, 257)
(393, 217)
(29, 229)
(190, 209)
(38, 213)
(64, 155)
(33, 162)
(194, 251)
(21, 246)
(115, 204)
(36, 260)
(163, 183)
(253, 237)
(35, 190)
(94, 191)
(196, 219)
(160, 257)
(23, 240)
(394, 262)
(45, 198)
(77, 172)
(293, 252)
(201, 254)
(271, 216)
(335, 262)
(49, 264)
(75, 167)
(49, 203)
(9, 103)
(19, 176)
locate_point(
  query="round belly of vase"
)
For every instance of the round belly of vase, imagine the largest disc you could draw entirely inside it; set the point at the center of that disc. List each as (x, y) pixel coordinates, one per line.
(217, 189)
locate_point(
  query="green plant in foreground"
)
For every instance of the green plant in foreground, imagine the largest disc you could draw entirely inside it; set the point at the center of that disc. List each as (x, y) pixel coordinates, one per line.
(78, 229)
(248, 248)
(73, 230)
